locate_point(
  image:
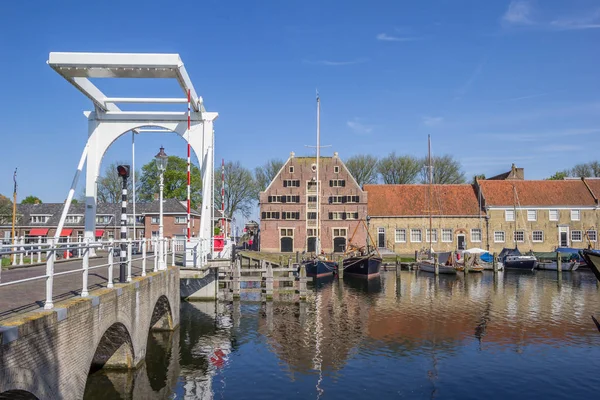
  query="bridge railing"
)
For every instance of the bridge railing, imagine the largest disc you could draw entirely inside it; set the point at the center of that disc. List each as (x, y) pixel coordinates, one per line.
(84, 249)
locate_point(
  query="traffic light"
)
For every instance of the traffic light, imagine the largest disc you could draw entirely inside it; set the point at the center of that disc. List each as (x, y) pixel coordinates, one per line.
(123, 171)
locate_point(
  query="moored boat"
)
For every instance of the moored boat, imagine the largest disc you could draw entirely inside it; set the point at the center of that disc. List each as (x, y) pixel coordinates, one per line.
(445, 265)
(553, 265)
(513, 259)
(318, 267)
(366, 266)
(593, 261)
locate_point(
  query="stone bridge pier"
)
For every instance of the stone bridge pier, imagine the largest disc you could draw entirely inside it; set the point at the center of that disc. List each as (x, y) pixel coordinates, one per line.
(49, 353)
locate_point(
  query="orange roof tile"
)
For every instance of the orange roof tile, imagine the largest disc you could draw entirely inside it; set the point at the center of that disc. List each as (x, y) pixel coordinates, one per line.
(412, 200)
(536, 193)
(594, 184)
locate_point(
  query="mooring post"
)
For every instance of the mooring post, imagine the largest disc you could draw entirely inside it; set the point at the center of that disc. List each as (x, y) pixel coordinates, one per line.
(302, 282)
(269, 282)
(398, 265)
(236, 279)
(436, 265)
(495, 262)
(558, 264)
(340, 268)
(416, 255)
(297, 257)
(466, 261)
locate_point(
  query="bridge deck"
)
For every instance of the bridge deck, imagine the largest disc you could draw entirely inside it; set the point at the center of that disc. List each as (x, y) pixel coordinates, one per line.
(29, 296)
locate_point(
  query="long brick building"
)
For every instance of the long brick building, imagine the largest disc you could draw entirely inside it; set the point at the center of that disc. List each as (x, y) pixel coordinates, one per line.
(288, 207)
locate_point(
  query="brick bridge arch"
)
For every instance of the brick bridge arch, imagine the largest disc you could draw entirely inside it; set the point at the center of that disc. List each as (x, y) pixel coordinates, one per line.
(49, 353)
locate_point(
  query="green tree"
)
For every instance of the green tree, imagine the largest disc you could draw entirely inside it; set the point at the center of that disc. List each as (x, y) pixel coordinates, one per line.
(399, 169)
(559, 176)
(478, 177)
(240, 190)
(31, 200)
(446, 170)
(175, 181)
(363, 168)
(264, 174)
(5, 210)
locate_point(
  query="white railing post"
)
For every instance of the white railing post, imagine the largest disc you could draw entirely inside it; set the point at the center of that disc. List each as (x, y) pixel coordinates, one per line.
(144, 257)
(173, 252)
(129, 260)
(39, 253)
(79, 247)
(68, 249)
(30, 252)
(155, 247)
(86, 266)
(111, 262)
(164, 253)
(48, 305)
(21, 248)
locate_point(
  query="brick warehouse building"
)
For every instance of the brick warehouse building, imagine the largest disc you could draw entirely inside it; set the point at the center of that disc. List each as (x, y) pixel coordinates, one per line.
(288, 207)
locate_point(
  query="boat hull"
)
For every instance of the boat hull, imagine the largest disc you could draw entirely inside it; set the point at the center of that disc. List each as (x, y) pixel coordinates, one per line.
(553, 266)
(490, 267)
(520, 262)
(593, 261)
(442, 269)
(319, 268)
(362, 266)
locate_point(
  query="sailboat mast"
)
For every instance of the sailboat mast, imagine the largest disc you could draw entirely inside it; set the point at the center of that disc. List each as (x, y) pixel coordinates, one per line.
(515, 214)
(430, 174)
(318, 241)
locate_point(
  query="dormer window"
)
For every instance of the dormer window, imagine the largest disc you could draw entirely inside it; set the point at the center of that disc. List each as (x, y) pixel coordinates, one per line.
(39, 219)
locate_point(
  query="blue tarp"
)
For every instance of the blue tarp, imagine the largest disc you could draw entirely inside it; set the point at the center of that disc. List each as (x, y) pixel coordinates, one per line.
(486, 257)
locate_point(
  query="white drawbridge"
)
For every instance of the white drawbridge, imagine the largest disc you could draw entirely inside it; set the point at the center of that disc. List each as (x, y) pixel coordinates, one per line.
(107, 122)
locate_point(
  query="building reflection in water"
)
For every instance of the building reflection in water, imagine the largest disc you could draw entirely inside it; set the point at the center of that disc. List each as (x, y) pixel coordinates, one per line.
(411, 315)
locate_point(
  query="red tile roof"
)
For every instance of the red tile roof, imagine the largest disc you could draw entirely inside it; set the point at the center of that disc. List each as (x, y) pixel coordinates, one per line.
(536, 193)
(412, 200)
(594, 185)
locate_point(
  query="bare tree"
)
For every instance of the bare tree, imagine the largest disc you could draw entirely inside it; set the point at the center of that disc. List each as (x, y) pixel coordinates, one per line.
(110, 185)
(399, 169)
(240, 189)
(587, 170)
(363, 168)
(446, 170)
(264, 174)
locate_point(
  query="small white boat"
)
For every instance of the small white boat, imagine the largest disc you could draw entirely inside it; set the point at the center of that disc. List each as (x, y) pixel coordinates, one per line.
(553, 265)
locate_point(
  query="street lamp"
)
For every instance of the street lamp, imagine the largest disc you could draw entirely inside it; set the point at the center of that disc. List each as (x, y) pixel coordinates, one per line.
(161, 165)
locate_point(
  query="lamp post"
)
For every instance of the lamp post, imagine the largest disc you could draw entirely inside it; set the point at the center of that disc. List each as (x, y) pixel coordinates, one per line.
(161, 165)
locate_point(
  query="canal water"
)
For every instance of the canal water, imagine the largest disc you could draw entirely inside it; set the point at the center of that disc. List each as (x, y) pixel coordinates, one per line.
(516, 336)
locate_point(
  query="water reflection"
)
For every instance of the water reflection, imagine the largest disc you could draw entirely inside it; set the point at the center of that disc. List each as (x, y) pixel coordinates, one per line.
(392, 336)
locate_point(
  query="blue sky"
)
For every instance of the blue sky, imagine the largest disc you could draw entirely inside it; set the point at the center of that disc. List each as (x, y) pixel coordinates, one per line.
(493, 82)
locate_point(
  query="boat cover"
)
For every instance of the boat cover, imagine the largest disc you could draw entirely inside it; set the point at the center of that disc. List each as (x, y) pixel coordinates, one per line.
(443, 257)
(508, 252)
(486, 257)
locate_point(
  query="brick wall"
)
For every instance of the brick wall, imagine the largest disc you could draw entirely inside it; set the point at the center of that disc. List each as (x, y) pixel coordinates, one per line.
(49, 353)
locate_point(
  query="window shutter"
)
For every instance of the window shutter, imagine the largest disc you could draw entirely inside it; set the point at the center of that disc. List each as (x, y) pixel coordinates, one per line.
(297, 199)
(297, 214)
(297, 182)
(355, 215)
(357, 199)
(284, 183)
(330, 183)
(264, 215)
(283, 199)
(270, 199)
(344, 199)
(330, 199)
(330, 215)
(283, 215)
(343, 215)
(343, 183)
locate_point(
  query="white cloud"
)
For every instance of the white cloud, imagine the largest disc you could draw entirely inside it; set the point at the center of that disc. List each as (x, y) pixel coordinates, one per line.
(432, 121)
(590, 21)
(551, 148)
(389, 38)
(518, 13)
(358, 127)
(330, 63)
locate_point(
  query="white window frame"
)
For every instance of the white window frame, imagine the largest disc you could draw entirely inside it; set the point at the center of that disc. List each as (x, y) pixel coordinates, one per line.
(397, 235)
(478, 230)
(550, 215)
(39, 218)
(533, 239)
(342, 232)
(573, 232)
(427, 234)
(595, 234)
(73, 218)
(449, 231)
(413, 231)
(155, 220)
(336, 169)
(506, 213)
(522, 233)
(291, 169)
(287, 232)
(531, 215)
(575, 215)
(496, 240)
(179, 217)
